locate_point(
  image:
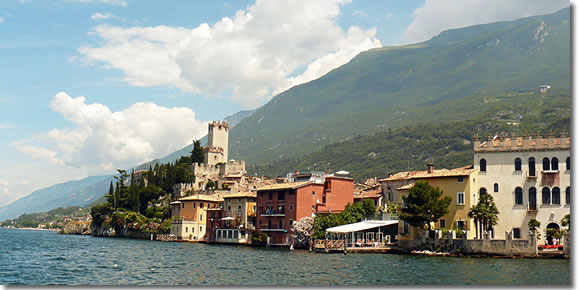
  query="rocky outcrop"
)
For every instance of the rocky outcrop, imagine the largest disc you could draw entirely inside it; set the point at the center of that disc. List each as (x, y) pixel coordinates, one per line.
(76, 228)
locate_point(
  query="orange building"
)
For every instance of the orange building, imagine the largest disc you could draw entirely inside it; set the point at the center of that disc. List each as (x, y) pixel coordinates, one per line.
(279, 205)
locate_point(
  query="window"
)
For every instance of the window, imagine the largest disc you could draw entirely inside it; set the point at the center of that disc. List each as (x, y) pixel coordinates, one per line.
(460, 179)
(460, 224)
(239, 208)
(254, 208)
(461, 198)
(441, 223)
(312, 208)
(269, 195)
(495, 187)
(291, 207)
(556, 195)
(219, 234)
(229, 207)
(261, 209)
(519, 196)
(568, 163)
(568, 195)
(313, 193)
(200, 229)
(545, 195)
(291, 222)
(281, 196)
(516, 233)
(482, 191)
(183, 205)
(193, 230)
(518, 164)
(281, 224)
(194, 205)
(546, 164)
(554, 163)
(482, 165)
(532, 166)
(201, 205)
(200, 217)
(236, 233)
(405, 228)
(532, 197)
(281, 209)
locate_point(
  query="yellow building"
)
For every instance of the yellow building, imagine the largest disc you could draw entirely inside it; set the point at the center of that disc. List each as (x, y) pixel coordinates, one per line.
(189, 216)
(460, 184)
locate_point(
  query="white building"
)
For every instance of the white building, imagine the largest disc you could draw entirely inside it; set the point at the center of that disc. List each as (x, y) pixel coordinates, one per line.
(528, 177)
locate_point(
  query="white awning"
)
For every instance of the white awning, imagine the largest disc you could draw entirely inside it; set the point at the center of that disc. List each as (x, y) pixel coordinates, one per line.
(228, 218)
(361, 226)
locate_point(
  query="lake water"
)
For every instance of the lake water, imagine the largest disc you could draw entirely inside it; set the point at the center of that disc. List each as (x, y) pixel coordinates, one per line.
(40, 258)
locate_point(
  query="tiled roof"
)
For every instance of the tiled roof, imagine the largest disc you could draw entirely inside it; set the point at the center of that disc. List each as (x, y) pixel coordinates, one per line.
(461, 171)
(204, 197)
(368, 193)
(240, 195)
(279, 186)
(405, 187)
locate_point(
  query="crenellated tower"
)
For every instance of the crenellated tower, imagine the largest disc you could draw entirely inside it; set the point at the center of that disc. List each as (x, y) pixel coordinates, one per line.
(217, 139)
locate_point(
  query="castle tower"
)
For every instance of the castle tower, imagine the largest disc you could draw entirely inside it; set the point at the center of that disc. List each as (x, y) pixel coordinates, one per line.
(217, 140)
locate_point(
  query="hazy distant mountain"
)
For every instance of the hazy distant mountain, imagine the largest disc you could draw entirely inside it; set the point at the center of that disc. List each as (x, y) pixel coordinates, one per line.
(88, 190)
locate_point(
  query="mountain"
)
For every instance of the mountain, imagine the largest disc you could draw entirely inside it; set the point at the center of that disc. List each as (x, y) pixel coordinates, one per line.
(72, 193)
(89, 190)
(445, 79)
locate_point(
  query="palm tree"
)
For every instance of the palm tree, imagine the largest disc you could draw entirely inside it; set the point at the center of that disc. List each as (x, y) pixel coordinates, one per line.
(485, 214)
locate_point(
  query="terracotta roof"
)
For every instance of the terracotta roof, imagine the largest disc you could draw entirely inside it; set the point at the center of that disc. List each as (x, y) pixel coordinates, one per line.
(406, 187)
(461, 171)
(369, 194)
(279, 186)
(240, 195)
(204, 197)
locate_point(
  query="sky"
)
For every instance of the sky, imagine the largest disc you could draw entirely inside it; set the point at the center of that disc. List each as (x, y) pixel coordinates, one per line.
(89, 86)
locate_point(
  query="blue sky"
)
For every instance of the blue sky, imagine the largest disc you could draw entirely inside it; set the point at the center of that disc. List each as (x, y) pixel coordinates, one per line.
(142, 66)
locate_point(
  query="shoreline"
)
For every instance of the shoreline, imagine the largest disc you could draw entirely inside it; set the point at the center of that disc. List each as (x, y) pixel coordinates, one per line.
(32, 229)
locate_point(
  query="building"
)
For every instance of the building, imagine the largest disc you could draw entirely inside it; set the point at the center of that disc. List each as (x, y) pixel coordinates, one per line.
(235, 222)
(189, 216)
(460, 184)
(528, 177)
(544, 88)
(279, 205)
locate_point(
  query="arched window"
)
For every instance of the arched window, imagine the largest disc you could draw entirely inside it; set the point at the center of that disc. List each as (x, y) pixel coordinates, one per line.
(482, 191)
(532, 166)
(546, 164)
(568, 195)
(554, 163)
(482, 165)
(545, 195)
(519, 196)
(568, 163)
(495, 187)
(518, 164)
(556, 195)
(532, 198)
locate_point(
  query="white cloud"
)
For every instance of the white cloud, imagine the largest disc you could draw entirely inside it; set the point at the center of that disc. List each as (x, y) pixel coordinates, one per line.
(1, 19)
(102, 140)
(436, 16)
(102, 16)
(359, 13)
(248, 57)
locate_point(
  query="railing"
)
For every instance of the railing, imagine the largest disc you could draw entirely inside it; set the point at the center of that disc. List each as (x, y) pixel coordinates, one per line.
(532, 207)
(272, 229)
(328, 244)
(273, 212)
(531, 174)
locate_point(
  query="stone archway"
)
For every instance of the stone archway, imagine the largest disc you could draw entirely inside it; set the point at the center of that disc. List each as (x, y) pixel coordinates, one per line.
(552, 231)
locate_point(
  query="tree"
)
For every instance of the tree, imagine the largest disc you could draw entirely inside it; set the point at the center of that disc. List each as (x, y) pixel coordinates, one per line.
(566, 221)
(533, 226)
(424, 205)
(210, 184)
(197, 155)
(302, 232)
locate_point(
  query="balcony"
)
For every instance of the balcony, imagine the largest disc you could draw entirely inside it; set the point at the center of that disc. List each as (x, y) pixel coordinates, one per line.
(532, 207)
(531, 175)
(273, 212)
(265, 228)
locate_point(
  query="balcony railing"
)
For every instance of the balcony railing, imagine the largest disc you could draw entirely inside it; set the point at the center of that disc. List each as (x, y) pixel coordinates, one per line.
(532, 207)
(273, 230)
(273, 212)
(532, 174)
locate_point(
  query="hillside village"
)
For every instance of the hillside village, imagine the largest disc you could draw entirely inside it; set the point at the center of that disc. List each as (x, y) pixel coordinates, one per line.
(526, 178)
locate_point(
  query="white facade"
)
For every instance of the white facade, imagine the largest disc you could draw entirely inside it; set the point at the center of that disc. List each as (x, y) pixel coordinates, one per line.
(514, 187)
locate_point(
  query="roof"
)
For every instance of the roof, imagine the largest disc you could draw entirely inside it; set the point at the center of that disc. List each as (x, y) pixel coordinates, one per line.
(461, 171)
(368, 193)
(281, 186)
(406, 187)
(361, 226)
(175, 202)
(204, 197)
(240, 195)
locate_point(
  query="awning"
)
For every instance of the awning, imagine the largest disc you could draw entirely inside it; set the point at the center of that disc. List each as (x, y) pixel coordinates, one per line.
(361, 226)
(229, 218)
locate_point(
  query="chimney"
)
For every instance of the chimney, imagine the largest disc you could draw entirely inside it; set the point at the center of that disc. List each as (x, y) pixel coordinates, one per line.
(430, 167)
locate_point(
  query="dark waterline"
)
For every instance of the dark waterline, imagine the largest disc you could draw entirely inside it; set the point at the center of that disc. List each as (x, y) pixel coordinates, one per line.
(41, 258)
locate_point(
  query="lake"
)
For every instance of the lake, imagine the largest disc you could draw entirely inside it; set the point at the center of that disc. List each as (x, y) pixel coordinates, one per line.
(46, 258)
